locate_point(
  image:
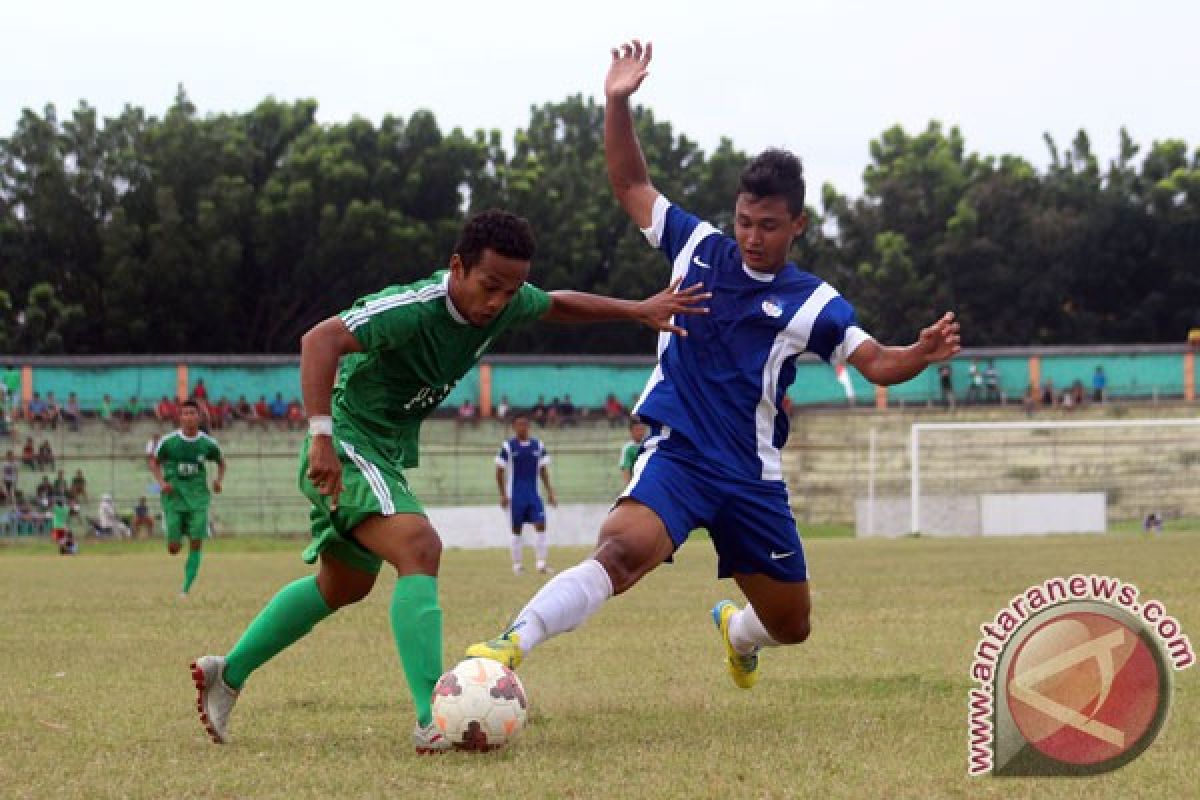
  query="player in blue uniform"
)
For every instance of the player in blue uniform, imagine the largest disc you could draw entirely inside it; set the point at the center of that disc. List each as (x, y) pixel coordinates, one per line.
(712, 458)
(518, 464)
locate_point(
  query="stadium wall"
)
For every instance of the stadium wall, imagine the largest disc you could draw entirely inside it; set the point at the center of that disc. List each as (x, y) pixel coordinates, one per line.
(1137, 371)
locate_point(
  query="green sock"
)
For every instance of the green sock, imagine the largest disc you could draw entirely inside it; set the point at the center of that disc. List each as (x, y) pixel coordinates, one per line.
(191, 568)
(417, 626)
(288, 617)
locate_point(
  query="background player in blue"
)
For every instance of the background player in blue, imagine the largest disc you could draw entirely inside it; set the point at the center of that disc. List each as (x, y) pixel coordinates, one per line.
(713, 402)
(518, 464)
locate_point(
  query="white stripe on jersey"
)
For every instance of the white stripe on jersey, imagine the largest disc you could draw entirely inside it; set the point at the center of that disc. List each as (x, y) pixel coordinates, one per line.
(378, 485)
(853, 337)
(788, 342)
(355, 317)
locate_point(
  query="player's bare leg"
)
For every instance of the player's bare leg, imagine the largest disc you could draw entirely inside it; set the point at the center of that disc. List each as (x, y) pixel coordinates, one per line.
(410, 544)
(777, 613)
(633, 541)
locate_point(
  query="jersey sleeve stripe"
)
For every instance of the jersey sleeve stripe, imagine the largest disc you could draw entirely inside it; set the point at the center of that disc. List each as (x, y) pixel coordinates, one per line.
(658, 220)
(684, 259)
(854, 337)
(356, 317)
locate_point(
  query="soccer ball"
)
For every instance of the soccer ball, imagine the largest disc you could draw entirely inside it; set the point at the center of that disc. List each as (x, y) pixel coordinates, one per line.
(479, 705)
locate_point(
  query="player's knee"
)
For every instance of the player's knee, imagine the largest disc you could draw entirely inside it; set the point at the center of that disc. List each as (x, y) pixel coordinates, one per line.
(174, 547)
(623, 560)
(792, 630)
(345, 594)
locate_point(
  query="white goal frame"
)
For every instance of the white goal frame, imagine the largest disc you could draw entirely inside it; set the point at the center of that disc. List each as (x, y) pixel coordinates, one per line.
(914, 442)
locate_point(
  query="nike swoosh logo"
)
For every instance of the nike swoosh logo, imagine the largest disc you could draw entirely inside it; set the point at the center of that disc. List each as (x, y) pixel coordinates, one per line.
(776, 556)
(696, 260)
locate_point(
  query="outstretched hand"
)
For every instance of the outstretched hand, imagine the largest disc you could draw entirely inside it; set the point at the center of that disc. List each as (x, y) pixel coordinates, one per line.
(630, 66)
(657, 311)
(941, 340)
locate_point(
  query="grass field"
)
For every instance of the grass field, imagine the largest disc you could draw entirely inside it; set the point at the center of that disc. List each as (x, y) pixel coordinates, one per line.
(97, 700)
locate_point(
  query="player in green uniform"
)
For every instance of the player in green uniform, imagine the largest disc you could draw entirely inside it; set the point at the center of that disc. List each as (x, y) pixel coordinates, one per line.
(632, 448)
(178, 463)
(401, 351)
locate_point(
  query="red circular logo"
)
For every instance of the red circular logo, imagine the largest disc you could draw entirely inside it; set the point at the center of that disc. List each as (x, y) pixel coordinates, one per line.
(1083, 688)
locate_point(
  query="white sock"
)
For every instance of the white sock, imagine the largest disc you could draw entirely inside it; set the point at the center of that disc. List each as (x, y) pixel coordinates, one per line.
(563, 604)
(746, 632)
(515, 547)
(540, 547)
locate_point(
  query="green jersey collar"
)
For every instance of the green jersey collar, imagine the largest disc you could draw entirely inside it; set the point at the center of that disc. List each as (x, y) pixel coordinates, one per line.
(457, 317)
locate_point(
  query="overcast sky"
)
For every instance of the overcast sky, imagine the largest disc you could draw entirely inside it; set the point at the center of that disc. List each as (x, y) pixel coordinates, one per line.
(821, 77)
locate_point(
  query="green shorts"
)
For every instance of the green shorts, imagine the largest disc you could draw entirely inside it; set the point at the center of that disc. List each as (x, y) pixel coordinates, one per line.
(370, 486)
(192, 523)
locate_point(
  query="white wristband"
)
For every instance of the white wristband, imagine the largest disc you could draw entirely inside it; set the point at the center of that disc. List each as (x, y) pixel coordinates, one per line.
(320, 425)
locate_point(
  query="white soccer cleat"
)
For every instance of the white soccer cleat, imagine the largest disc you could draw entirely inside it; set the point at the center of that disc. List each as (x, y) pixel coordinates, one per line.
(430, 740)
(214, 698)
(518, 569)
(545, 569)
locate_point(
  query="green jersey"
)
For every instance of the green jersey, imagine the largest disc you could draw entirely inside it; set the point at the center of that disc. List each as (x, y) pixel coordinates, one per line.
(61, 516)
(629, 454)
(416, 347)
(182, 461)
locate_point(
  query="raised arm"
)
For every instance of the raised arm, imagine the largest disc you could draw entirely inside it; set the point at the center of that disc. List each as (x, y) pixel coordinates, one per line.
(654, 312)
(884, 365)
(627, 171)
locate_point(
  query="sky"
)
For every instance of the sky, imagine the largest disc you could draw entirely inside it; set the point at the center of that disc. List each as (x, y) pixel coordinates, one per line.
(819, 77)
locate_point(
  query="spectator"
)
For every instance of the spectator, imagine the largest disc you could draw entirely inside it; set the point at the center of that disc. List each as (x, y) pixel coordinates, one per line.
(45, 455)
(151, 446)
(613, 411)
(53, 411)
(79, 491)
(539, 410)
(552, 413)
(946, 381)
(4, 428)
(29, 454)
(262, 411)
(243, 410)
(107, 522)
(502, 409)
(1048, 396)
(466, 414)
(105, 412)
(1099, 384)
(1077, 394)
(133, 409)
(223, 413)
(991, 382)
(9, 475)
(566, 412)
(62, 487)
(1030, 401)
(44, 491)
(12, 388)
(1153, 523)
(35, 412)
(200, 392)
(142, 519)
(975, 384)
(167, 411)
(72, 414)
(295, 415)
(278, 408)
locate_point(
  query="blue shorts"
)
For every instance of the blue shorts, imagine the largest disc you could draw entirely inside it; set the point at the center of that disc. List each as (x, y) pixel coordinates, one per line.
(750, 520)
(524, 509)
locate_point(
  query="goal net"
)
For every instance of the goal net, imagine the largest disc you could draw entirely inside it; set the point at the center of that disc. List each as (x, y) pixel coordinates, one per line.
(972, 478)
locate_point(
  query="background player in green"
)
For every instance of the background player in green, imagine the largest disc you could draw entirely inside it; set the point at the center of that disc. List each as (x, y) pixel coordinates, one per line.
(178, 463)
(401, 351)
(632, 448)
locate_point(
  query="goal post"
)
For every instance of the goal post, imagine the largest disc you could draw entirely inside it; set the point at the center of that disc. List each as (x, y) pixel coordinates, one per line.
(1158, 456)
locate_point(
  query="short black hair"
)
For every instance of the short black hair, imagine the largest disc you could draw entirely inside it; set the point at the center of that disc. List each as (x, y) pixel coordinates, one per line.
(189, 404)
(500, 231)
(775, 173)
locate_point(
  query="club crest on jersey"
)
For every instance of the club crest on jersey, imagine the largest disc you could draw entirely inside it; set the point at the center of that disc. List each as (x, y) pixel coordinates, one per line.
(771, 308)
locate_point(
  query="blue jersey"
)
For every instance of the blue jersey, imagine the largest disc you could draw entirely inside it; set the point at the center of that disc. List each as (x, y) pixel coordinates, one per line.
(521, 461)
(721, 387)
